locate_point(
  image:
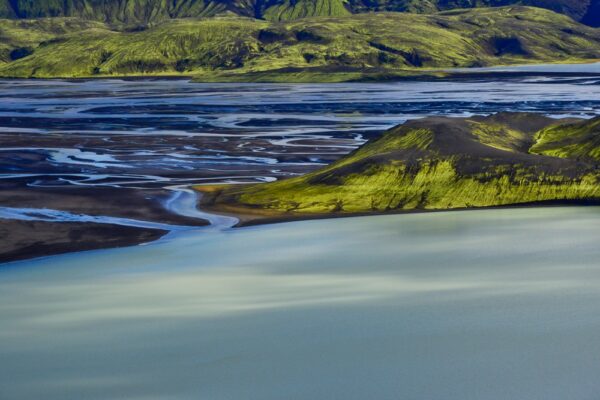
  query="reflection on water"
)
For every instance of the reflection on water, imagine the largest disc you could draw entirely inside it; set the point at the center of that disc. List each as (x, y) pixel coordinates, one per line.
(495, 304)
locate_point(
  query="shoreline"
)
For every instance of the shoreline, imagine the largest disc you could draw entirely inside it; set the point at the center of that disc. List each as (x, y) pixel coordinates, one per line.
(286, 76)
(148, 236)
(67, 221)
(253, 217)
(55, 238)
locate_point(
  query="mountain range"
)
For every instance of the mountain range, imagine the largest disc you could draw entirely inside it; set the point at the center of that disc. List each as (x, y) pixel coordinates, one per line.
(150, 11)
(382, 45)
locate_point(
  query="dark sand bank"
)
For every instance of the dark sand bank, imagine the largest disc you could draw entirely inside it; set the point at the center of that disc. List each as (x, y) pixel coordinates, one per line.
(30, 239)
(146, 205)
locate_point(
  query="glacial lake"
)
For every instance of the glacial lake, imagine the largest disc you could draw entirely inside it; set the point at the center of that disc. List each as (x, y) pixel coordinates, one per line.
(488, 304)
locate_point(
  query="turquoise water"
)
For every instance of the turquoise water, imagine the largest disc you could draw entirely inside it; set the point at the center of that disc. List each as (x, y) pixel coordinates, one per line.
(494, 304)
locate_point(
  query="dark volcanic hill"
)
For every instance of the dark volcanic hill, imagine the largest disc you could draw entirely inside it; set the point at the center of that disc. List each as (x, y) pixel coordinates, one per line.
(145, 11)
(442, 163)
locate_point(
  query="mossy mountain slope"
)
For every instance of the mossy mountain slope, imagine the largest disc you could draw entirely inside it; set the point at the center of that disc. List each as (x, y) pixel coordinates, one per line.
(19, 38)
(579, 140)
(443, 163)
(151, 11)
(342, 48)
(142, 12)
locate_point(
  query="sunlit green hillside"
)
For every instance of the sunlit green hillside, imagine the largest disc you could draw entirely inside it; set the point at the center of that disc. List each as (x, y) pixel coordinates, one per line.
(142, 12)
(342, 48)
(19, 38)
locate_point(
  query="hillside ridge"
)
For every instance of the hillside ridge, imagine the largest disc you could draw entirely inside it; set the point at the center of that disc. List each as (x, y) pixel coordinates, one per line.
(439, 163)
(362, 46)
(150, 11)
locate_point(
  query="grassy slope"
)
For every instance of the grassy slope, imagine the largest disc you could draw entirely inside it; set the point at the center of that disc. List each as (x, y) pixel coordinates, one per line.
(578, 140)
(358, 46)
(292, 9)
(167, 49)
(135, 12)
(114, 11)
(20, 37)
(443, 163)
(576, 9)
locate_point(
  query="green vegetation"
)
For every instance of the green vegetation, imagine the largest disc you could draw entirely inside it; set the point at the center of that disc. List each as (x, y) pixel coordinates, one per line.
(19, 38)
(292, 9)
(364, 46)
(442, 163)
(578, 140)
(143, 12)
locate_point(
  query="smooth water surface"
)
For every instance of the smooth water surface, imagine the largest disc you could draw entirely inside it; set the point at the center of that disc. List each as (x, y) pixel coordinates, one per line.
(494, 304)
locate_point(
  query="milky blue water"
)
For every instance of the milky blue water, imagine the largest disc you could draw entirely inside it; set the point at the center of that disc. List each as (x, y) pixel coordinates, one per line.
(586, 68)
(495, 304)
